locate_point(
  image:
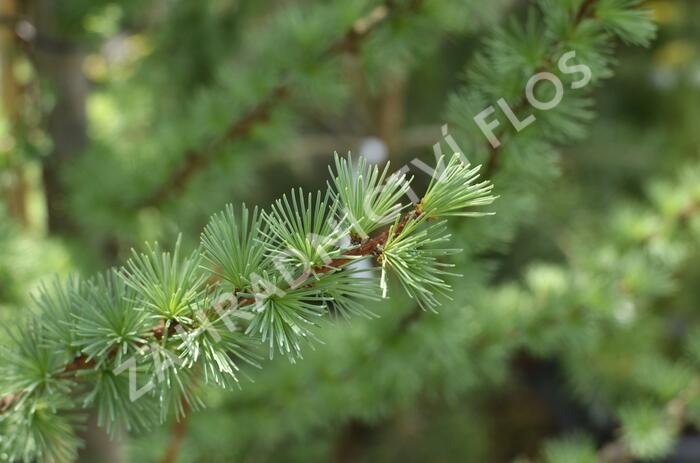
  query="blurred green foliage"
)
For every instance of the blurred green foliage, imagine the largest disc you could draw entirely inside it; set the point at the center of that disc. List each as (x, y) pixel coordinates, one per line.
(573, 332)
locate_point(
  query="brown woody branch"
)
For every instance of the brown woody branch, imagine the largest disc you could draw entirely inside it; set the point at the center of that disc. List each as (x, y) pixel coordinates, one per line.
(585, 11)
(7, 402)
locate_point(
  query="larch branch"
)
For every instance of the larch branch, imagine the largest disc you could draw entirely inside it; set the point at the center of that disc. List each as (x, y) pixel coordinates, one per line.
(585, 11)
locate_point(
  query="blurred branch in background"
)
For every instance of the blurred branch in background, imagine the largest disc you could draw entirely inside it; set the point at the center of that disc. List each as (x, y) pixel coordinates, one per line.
(317, 147)
(196, 160)
(178, 432)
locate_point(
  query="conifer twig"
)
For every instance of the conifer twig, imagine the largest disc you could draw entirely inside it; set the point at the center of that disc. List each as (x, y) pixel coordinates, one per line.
(676, 411)
(491, 164)
(586, 10)
(370, 247)
(398, 244)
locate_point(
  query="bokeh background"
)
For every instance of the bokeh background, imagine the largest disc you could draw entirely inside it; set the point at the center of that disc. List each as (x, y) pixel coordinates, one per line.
(115, 129)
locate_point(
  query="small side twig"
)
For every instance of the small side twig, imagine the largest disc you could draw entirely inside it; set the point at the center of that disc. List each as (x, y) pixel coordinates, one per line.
(177, 436)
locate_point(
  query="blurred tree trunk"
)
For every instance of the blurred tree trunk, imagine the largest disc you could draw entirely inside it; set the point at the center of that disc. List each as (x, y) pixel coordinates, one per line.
(15, 192)
(59, 64)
